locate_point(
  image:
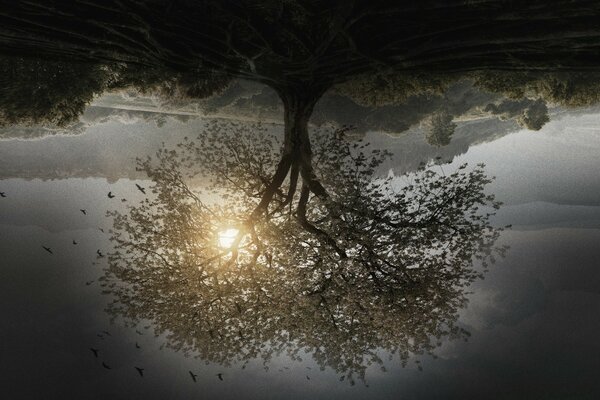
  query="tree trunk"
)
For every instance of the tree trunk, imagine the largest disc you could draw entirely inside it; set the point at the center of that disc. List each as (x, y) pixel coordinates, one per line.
(297, 153)
(298, 107)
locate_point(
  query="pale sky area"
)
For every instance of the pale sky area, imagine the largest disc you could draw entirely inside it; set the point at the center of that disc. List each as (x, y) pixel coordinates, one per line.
(533, 319)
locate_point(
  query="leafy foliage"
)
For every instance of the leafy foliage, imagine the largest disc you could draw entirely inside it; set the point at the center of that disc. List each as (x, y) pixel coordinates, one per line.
(530, 114)
(440, 129)
(36, 91)
(535, 116)
(570, 89)
(168, 85)
(388, 87)
(374, 265)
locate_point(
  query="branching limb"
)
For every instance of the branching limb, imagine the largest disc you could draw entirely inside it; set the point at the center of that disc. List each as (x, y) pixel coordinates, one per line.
(322, 235)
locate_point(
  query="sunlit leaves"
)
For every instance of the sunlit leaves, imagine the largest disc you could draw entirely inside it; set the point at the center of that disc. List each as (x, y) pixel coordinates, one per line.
(387, 268)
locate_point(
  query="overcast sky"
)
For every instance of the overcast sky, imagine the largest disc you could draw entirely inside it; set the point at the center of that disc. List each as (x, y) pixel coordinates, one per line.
(534, 319)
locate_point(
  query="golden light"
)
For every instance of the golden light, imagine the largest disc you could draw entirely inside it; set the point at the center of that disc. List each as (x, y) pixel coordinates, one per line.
(227, 237)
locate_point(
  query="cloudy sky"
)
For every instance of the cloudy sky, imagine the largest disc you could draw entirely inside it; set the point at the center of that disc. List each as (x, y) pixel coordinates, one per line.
(533, 320)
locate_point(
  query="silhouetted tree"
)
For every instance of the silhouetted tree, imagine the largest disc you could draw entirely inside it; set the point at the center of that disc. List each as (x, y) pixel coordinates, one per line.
(530, 114)
(570, 89)
(375, 263)
(35, 91)
(535, 116)
(440, 129)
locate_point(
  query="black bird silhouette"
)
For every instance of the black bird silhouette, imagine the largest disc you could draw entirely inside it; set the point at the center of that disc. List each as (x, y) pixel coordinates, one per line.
(123, 200)
(83, 211)
(95, 351)
(2, 194)
(141, 189)
(137, 346)
(105, 366)
(193, 375)
(106, 333)
(100, 255)
(138, 332)
(101, 230)
(88, 283)
(220, 375)
(307, 377)
(110, 195)
(74, 242)
(48, 249)
(140, 371)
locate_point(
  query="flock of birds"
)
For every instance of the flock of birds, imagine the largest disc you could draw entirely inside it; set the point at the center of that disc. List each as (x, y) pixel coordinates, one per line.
(99, 254)
(95, 351)
(84, 212)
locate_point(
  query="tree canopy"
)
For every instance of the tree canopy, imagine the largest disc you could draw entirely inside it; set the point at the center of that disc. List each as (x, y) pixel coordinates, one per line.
(374, 265)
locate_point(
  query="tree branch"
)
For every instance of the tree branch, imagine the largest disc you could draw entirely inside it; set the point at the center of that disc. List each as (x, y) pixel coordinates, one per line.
(322, 235)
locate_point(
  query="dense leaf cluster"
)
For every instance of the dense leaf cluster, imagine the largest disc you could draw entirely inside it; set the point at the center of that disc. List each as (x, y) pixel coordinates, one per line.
(377, 264)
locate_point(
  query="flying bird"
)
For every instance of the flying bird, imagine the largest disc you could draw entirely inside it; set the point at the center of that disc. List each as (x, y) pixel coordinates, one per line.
(137, 346)
(141, 189)
(2, 194)
(106, 333)
(101, 230)
(307, 377)
(84, 212)
(140, 371)
(100, 255)
(48, 249)
(220, 375)
(74, 242)
(138, 332)
(110, 195)
(193, 375)
(88, 283)
(95, 351)
(105, 366)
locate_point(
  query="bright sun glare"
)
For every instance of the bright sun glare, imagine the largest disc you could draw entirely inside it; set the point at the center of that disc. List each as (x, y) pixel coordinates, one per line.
(227, 237)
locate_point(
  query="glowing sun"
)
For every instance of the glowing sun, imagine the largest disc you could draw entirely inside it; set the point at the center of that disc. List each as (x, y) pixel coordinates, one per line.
(227, 237)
